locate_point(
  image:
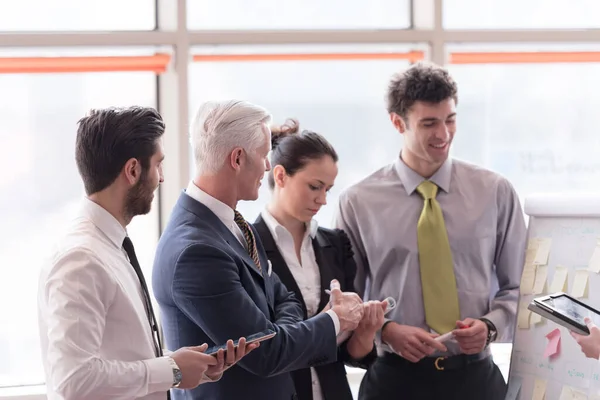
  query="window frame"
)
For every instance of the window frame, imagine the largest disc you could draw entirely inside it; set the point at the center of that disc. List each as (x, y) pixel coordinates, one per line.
(173, 36)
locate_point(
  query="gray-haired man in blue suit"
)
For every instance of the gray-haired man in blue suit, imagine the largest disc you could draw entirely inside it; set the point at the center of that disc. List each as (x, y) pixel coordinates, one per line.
(211, 275)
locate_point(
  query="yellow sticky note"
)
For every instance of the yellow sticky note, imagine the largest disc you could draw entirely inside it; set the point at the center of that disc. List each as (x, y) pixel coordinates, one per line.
(530, 255)
(543, 251)
(533, 243)
(580, 284)
(541, 277)
(559, 282)
(571, 393)
(536, 319)
(594, 264)
(528, 279)
(524, 315)
(539, 389)
(579, 395)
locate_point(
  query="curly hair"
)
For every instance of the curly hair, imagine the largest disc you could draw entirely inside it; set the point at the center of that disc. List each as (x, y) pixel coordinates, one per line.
(425, 82)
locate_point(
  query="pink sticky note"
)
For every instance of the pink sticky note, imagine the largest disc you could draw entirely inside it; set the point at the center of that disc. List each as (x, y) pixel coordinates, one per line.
(553, 346)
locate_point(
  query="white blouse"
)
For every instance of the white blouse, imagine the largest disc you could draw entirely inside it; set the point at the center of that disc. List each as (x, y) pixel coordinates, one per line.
(305, 271)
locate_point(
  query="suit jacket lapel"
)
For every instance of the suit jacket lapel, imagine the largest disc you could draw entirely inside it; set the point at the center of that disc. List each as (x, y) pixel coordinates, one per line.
(204, 213)
(241, 250)
(279, 265)
(325, 256)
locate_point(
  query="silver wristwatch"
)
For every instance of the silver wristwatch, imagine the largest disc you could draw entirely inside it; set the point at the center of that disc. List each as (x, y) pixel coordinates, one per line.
(176, 372)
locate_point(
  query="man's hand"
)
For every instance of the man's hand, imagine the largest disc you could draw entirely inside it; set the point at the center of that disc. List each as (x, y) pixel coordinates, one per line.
(192, 363)
(590, 344)
(326, 308)
(410, 342)
(226, 359)
(471, 335)
(372, 319)
(347, 306)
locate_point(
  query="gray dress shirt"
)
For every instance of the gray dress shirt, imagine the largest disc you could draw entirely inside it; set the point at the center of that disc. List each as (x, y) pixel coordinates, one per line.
(486, 230)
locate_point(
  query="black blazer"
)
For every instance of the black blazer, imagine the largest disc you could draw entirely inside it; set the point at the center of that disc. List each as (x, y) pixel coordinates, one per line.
(334, 257)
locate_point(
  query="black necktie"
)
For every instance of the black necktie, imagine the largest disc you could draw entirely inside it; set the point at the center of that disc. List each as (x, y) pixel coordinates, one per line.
(128, 246)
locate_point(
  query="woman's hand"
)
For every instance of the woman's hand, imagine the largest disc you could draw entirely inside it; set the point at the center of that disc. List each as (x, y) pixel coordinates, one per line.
(590, 344)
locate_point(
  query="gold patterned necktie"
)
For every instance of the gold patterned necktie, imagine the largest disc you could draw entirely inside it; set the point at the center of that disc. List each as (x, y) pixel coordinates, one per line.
(249, 236)
(440, 296)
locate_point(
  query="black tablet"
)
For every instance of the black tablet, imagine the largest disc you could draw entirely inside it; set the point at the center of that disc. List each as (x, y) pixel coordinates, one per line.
(566, 311)
(257, 337)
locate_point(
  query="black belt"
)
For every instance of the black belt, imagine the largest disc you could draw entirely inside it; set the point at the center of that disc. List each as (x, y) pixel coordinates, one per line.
(442, 363)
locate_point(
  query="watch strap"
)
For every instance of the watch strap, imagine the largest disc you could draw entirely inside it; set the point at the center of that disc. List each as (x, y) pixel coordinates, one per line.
(177, 376)
(492, 331)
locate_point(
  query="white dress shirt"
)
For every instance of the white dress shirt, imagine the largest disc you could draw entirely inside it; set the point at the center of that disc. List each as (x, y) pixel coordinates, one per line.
(305, 271)
(226, 215)
(95, 335)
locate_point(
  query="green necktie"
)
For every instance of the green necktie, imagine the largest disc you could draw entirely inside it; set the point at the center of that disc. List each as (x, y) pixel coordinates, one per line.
(435, 258)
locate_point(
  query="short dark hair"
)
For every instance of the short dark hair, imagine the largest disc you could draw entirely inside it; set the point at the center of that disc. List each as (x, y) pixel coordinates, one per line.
(108, 138)
(425, 82)
(293, 150)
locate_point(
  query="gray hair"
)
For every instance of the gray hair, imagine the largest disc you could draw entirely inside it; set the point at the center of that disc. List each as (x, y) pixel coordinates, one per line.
(221, 126)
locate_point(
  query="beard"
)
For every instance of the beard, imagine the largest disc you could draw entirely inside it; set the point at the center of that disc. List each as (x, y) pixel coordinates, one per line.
(139, 198)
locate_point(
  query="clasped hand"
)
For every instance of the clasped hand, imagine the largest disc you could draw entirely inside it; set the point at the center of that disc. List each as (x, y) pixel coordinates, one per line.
(415, 343)
(347, 306)
(353, 313)
(373, 317)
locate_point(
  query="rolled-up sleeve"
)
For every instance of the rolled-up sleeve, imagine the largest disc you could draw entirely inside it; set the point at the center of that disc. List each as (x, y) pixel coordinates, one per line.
(509, 260)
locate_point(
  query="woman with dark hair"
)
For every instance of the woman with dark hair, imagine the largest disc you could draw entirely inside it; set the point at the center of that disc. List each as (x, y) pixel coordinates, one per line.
(307, 257)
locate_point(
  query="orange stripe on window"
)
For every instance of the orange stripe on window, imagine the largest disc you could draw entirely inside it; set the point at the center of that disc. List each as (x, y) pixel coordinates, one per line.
(34, 65)
(523, 57)
(412, 56)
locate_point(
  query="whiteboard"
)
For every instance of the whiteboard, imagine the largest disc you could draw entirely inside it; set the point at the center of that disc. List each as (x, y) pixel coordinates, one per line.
(573, 225)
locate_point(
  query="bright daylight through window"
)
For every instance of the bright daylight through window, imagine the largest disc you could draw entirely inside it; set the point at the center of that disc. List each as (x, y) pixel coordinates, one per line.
(326, 63)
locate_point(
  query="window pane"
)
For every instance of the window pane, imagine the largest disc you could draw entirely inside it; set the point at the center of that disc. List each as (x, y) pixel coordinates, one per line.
(533, 123)
(342, 100)
(42, 189)
(298, 14)
(517, 14)
(77, 15)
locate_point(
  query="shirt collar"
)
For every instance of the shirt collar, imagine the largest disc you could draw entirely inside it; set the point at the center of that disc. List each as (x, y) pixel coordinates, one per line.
(411, 179)
(104, 220)
(277, 229)
(220, 209)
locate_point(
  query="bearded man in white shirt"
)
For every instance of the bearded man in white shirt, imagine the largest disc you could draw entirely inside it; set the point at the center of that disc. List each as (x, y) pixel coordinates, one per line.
(98, 330)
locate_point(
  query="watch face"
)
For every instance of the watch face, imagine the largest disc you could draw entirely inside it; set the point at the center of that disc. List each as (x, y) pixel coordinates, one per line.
(176, 376)
(492, 334)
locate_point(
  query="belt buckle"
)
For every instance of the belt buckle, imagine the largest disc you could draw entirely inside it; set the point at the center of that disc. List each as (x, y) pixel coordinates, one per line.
(437, 363)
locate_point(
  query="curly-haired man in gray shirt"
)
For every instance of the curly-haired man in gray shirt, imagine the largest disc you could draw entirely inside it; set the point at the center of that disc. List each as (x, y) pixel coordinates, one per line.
(444, 237)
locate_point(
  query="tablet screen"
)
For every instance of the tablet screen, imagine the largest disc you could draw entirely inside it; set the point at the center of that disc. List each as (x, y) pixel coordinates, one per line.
(573, 310)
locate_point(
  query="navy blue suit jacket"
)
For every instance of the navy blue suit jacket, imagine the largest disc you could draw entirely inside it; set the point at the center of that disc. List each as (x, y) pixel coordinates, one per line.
(209, 290)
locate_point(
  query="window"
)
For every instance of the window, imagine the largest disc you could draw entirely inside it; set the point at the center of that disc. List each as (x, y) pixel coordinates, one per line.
(516, 14)
(42, 189)
(341, 99)
(72, 15)
(533, 123)
(298, 14)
